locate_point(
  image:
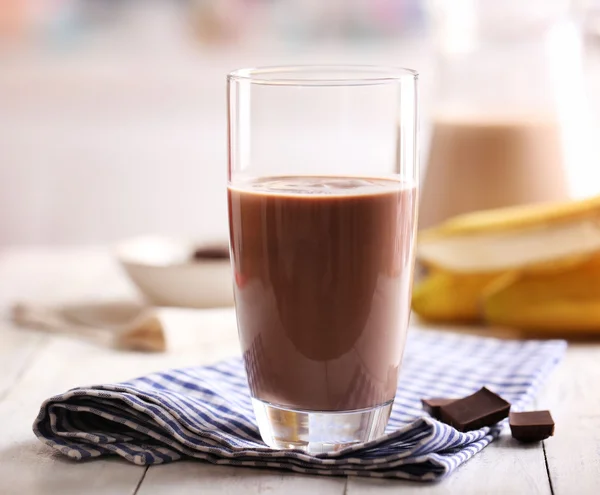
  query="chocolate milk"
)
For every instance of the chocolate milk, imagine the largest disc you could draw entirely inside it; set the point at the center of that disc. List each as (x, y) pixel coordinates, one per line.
(479, 165)
(323, 272)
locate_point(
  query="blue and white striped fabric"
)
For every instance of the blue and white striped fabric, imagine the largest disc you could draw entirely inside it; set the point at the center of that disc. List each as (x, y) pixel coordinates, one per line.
(205, 413)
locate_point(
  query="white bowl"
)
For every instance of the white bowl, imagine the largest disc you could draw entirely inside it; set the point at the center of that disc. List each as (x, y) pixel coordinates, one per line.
(163, 270)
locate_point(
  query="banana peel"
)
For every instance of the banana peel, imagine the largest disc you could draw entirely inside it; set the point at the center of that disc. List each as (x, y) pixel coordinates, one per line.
(520, 217)
(533, 237)
(556, 302)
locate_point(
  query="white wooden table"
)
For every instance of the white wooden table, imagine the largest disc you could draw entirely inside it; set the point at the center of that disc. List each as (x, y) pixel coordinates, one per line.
(34, 366)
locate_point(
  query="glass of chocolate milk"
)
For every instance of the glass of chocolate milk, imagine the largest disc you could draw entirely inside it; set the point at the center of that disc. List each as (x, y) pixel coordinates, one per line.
(322, 193)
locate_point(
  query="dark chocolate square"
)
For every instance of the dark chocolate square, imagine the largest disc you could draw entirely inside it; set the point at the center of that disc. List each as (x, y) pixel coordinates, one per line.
(432, 406)
(483, 408)
(531, 426)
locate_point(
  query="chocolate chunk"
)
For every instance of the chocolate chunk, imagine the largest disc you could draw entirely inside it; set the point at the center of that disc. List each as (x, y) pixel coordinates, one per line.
(211, 253)
(483, 408)
(432, 406)
(532, 426)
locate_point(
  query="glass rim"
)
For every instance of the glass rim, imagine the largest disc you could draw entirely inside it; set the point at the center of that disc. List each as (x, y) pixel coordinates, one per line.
(323, 75)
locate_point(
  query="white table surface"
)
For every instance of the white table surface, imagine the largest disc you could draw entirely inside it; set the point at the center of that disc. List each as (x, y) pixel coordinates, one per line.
(34, 366)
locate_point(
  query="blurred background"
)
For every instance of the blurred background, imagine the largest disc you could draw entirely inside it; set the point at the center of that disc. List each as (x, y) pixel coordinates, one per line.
(113, 112)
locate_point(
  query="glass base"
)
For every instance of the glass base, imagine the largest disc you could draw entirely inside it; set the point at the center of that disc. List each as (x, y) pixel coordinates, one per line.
(317, 432)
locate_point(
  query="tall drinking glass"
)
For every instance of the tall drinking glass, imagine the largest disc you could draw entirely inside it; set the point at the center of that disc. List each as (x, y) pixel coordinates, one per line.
(322, 192)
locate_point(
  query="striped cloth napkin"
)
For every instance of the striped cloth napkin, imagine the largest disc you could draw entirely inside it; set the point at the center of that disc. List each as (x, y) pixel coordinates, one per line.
(205, 413)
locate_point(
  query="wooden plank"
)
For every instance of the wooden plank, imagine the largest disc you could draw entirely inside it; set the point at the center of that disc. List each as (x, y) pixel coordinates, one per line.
(39, 274)
(573, 454)
(29, 469)
(17, 349)
(188, 477)
(28, 466)
(501, 468)
(35, 366)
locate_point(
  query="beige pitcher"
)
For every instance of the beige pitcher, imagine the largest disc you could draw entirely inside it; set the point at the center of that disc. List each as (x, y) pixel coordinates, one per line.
(509, 107)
